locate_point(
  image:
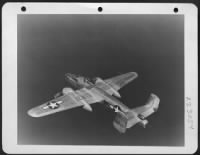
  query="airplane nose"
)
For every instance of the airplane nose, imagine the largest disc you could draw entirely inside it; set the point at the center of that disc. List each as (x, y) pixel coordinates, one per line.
(67, 74)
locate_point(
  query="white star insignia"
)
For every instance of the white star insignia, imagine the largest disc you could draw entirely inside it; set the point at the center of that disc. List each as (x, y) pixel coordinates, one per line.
(53, 104)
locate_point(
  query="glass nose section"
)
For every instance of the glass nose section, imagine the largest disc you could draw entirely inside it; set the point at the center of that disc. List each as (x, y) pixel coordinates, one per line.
(70, 76)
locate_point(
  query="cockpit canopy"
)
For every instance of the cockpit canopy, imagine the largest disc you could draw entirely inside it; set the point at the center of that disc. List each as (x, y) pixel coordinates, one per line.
(70, 76)
(78, 79)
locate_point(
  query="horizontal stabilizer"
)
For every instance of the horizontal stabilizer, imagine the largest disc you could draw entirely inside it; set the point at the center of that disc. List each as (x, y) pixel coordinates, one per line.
(120, 122)
(137, 115)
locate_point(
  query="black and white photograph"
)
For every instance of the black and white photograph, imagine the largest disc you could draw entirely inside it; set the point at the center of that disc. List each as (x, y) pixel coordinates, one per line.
(87, 59)
(101, 79)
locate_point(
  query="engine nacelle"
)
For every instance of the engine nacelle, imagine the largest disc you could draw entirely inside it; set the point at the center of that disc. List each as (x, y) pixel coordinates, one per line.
(143, 123)
(67, 90)
(110, 89)
(98, 79)
(86, 106)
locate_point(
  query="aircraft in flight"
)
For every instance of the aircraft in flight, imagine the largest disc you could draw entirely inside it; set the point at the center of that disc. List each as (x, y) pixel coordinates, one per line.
(88, 91)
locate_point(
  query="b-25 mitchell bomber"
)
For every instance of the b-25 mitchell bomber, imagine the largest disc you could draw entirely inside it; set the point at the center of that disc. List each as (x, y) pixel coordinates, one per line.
(97, 90)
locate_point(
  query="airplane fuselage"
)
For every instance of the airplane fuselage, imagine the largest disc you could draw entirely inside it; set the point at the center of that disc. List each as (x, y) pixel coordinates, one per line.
(111, 100)
(80, 82)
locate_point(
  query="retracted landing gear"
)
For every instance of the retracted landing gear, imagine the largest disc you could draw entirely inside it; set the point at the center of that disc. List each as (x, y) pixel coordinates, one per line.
(116, 108)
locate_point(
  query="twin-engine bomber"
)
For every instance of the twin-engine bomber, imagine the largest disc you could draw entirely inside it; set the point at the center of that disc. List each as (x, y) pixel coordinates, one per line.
(89, 91)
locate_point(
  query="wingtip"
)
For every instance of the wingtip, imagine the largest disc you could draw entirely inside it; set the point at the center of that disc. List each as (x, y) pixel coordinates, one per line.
(32, 113)
(135, 75)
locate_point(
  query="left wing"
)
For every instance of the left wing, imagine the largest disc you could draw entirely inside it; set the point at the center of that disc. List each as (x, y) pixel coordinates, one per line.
(82, 97)
(59, 104)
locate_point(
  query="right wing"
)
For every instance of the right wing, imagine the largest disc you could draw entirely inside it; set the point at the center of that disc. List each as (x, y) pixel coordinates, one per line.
(74, 99)
(112, 85)
(120, 81)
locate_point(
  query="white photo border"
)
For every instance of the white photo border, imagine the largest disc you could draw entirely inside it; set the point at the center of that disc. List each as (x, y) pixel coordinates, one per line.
(9, 73)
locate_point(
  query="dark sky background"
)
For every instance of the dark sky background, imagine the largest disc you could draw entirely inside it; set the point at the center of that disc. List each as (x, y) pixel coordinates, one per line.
(101, 45)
